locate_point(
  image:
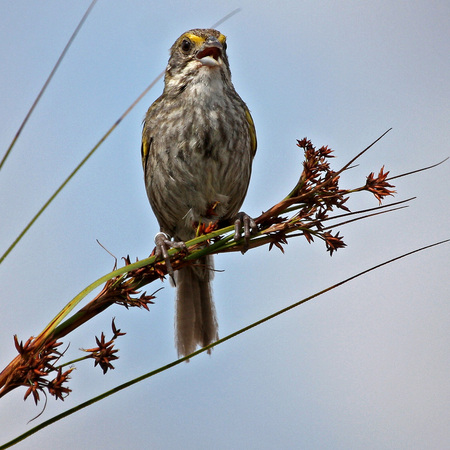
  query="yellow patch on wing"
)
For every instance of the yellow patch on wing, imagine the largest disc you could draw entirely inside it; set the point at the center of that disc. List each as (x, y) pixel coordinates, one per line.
(145, 148)
(252, 130)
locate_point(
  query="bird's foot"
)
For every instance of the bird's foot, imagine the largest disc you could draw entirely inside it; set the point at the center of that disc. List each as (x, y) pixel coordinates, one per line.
(163, 244)
(244, 222)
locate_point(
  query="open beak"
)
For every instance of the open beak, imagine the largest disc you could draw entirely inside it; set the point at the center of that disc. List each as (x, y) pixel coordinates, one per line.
(211, 53)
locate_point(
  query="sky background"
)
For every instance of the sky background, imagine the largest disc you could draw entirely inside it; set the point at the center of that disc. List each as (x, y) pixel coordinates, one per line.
(366, 366)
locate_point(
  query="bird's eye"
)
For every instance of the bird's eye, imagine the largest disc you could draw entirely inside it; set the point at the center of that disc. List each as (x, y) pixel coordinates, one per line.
(185, 45)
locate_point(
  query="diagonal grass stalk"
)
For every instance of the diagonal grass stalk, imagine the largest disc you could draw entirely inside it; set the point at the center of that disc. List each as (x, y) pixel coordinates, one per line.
(198, 352)
(47, 82)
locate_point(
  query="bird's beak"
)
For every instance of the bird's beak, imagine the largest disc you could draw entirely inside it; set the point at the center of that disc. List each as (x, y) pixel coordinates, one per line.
(211, 53)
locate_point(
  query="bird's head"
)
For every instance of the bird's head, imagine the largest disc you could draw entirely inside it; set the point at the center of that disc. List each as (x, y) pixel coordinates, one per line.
(196, 52)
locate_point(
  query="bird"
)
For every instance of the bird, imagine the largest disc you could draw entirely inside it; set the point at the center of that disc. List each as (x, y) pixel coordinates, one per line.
(198, 145)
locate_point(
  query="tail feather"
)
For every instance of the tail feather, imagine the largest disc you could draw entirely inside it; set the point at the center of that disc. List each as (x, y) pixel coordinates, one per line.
(195, 317)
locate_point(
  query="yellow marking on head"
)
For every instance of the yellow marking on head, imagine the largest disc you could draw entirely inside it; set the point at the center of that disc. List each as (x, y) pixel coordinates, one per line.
(197, 40)
(252, 130)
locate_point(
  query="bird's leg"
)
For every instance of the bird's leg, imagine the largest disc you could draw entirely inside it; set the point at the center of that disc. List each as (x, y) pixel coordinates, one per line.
(163, 243)
(244, 221)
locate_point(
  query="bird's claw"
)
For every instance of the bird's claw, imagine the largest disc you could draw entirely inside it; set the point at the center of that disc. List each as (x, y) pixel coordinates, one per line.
(163, 244)
(244, 221)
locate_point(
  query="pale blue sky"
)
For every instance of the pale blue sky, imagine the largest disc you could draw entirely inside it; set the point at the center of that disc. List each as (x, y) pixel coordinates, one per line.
(365, 367)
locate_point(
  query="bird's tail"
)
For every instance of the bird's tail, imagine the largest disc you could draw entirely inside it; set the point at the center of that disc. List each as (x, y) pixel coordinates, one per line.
(195, 316)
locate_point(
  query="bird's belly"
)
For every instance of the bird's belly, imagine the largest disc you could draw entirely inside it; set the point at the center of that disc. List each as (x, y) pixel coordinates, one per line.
(199, 185)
